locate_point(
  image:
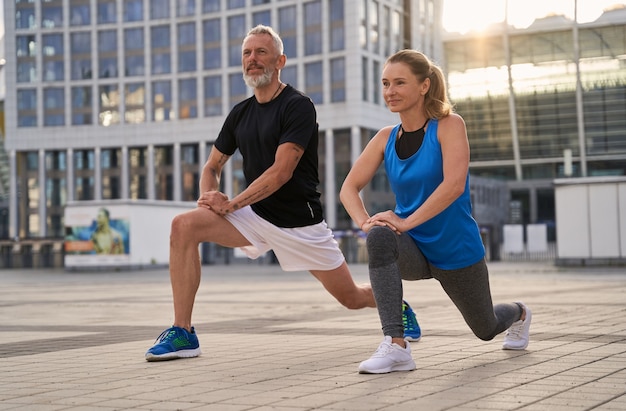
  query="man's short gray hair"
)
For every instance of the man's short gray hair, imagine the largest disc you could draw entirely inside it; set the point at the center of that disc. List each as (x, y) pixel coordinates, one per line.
(262, 29)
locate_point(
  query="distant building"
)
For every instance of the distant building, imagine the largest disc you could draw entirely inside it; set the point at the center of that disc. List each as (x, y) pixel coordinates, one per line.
(122, 99)
(542, 103)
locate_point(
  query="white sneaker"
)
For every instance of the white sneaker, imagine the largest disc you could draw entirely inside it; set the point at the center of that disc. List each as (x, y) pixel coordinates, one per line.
(388, 357)
(518, 335)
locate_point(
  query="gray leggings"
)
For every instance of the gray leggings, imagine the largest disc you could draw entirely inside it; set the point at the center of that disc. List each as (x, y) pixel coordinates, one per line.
(393, 258)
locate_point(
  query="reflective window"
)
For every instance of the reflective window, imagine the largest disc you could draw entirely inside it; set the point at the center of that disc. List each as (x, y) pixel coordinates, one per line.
(337, 36)
(56, 161)
(189, 159)
(26, 71)
(312, 28)
(138, 173)
(53, 67)
(159, 9)
(187, 98)
(212, 96)
(133, 10)
(134, 64)
(25, 16)
(82, 106)
(262, 17)
(287, 26)
(80, 13)
(314, 81)
(365, 79)
(363, 26)
(235, 4)
(107, 54)
(84, 162)
(338, 79)
(108, 105)
(237, 89)
(236, 33)
(289, 75)
(210, 6)
(161, 53)
(164, 173)
(80, 50)
(52, 14)
(26, 108)
(187, 47)
(111, 173)
(376, 71)
(26, 50)
(134, 103)
(385, 33)
(26, 99)
(25, 46)
(162, 101)
(211, 40)
(53, 106)
(106, 11)
(185, 8)
(374, 22)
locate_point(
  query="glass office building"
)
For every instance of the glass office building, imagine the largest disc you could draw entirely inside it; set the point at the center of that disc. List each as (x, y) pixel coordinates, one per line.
(543, 102)
(122, 99)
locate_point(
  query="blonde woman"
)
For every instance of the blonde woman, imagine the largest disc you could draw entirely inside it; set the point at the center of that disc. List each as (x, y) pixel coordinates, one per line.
(431, 232)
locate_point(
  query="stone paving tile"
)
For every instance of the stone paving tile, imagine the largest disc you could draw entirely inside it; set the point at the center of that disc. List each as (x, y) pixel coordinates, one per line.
(277, 341)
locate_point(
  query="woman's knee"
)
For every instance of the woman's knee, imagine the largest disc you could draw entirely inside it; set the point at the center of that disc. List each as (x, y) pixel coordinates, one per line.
(485, 336)
(382, 245)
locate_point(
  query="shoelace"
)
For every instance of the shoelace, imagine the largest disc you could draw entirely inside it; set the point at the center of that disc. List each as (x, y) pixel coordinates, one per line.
(165, 335)
(515, 330)
(383, 349)
(408, 320)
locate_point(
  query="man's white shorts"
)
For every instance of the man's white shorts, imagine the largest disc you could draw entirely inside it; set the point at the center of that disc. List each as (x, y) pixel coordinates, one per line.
(297, 249)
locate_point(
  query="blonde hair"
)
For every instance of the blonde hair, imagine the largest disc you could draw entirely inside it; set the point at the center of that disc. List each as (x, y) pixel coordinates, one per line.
(436, 103)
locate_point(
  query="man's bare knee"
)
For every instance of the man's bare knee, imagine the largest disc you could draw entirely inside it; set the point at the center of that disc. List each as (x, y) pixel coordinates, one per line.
(180, 229)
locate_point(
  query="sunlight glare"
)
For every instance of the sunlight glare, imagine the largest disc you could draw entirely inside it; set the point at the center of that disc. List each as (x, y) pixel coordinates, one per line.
(463, 16)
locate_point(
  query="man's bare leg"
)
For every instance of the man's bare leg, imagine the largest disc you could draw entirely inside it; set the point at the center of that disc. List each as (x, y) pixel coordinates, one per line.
(339, 284)
(188, 231)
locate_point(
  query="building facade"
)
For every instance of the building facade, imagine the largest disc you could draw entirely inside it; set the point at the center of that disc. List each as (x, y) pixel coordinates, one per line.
(541, 103)
(122, 99)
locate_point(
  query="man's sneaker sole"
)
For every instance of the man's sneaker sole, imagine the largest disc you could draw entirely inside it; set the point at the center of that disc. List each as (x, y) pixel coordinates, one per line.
(411, 339)
(174, 355)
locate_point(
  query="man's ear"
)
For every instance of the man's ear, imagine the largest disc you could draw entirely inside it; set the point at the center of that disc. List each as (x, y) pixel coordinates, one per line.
(282, 59)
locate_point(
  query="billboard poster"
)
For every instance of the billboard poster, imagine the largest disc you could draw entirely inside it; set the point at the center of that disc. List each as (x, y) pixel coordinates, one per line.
(96, 235)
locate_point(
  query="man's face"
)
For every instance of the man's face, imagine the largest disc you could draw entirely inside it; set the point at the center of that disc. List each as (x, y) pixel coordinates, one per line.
(259, 59)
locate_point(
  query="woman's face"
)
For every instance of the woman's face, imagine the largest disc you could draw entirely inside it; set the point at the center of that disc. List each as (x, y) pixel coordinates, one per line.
(401, 88)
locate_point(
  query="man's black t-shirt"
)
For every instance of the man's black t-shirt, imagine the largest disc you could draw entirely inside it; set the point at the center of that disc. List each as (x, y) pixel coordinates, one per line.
(257, 130)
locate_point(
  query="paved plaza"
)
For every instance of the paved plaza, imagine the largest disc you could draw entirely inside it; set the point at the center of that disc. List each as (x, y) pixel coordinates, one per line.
(277, 341)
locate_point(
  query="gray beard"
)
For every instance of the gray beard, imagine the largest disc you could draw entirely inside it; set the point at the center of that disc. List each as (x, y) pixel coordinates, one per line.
(260, 81)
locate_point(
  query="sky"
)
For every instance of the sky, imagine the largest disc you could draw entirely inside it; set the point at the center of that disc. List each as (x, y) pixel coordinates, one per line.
(473, 15)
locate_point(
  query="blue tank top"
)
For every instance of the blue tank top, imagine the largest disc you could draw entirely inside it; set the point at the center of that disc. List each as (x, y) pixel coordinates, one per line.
(451, 239)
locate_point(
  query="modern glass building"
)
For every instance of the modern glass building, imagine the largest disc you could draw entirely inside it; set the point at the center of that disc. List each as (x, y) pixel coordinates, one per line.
(122, 99)
(543, 102)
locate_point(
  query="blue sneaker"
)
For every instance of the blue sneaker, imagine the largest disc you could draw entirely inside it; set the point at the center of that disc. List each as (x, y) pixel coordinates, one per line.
(175, 342)
(412, 331)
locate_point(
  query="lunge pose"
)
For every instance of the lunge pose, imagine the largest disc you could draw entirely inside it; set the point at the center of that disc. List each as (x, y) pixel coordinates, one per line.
(431, 232)
(276, 132)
